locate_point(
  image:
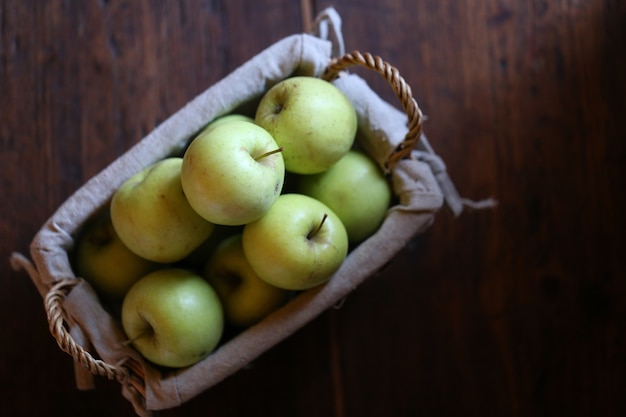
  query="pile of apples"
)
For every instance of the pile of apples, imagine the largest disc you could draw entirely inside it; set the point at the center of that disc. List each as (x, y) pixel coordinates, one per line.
(255, 210)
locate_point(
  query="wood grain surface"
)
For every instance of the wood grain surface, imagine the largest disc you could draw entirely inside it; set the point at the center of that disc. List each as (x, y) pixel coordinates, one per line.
(515, 311)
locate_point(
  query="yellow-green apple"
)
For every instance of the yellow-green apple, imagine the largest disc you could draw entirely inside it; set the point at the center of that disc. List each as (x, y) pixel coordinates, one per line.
(233, 173)
(173, 317)
(312, 119)
(356, 189)
(298, 244)
(152, 216)
(229, 118)
(197, 259)
(105, 262)
(246, 298)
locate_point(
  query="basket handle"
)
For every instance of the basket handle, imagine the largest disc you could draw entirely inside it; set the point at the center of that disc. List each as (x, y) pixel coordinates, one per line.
(401, 89)
(54, 310)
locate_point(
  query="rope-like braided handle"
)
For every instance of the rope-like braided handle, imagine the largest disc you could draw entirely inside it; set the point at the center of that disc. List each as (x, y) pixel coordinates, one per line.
(400, 88)
(54, 310)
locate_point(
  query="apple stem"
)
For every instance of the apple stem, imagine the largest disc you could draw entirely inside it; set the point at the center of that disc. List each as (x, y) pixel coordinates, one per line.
(318, 228)
(266, 154)
(133, 339)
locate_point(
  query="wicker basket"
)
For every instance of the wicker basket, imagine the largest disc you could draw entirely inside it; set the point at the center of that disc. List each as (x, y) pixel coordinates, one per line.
(84, 328)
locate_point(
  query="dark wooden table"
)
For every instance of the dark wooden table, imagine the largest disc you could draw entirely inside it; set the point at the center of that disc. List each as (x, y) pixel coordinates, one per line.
(517, 311)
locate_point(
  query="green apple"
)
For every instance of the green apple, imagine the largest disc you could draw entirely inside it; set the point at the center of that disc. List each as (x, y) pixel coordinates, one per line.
(233, 173)
(228, 118)
(153, 218)
(105, 262)
(173, 317)
(312, 119)
(356, 189)
(197, 259)
(299, 244)
(246, 298)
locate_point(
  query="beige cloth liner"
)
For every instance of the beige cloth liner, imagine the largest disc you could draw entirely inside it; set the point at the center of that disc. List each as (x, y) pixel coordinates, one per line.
(421, 183)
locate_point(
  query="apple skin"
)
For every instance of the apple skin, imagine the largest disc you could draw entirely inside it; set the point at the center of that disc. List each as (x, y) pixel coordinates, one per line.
(284, 250)
(224, 182)
(246, 298)
(228, 118)
(356, 189)
(105, 262)
(153, 218)
(312, 119)
(198, 259)
(173, 317)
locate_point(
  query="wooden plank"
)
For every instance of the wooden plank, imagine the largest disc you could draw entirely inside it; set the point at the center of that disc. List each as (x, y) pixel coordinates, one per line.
(515, 311)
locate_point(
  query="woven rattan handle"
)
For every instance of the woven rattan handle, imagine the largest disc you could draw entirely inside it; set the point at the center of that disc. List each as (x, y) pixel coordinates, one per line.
(131, 372)
(56, 321)
(54, 310)
(400, 88)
